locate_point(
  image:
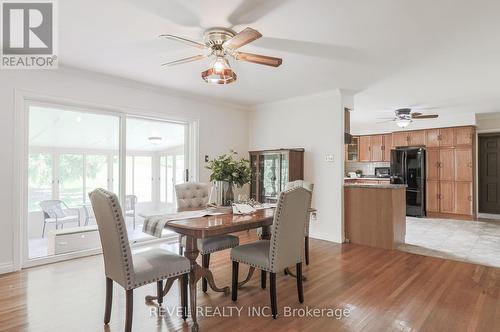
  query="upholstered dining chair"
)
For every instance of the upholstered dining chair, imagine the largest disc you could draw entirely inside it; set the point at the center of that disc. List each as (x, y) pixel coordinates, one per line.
(192, 196)
(309, 186)
(133, 268)
(284, 249)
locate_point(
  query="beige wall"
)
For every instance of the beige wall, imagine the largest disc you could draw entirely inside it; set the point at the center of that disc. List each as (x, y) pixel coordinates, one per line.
(315, 123)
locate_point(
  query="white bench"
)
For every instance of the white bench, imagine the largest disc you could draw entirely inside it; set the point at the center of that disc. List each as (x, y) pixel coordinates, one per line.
(73, 239)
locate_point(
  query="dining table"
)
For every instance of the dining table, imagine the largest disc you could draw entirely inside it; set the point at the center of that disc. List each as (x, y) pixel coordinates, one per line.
(213, 225)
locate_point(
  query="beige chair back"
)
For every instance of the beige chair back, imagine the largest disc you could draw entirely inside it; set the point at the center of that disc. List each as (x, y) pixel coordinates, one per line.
(191, 195)
(114, 240)
(300, 183)
(287, 238)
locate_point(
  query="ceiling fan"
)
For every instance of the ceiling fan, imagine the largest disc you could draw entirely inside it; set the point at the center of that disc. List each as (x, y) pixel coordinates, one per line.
(404, 116)
(222, 43)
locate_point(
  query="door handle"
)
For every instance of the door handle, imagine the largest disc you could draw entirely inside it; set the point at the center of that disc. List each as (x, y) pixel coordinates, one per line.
(469, 198)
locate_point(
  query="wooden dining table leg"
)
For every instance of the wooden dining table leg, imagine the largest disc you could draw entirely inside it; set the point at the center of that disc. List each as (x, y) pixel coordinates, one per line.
(191, 252)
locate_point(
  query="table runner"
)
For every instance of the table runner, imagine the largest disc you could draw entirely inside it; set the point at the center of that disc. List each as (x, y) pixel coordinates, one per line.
(154, 225)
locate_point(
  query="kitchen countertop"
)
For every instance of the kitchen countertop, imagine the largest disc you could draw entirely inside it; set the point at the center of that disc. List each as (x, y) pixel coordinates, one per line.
(368, 178)
(374, 185)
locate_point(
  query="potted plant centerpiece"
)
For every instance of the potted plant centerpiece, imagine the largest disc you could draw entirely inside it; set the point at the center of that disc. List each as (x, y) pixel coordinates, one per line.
(230, 171)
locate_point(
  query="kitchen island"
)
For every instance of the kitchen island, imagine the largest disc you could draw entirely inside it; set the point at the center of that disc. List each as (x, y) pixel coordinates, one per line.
(375, 214)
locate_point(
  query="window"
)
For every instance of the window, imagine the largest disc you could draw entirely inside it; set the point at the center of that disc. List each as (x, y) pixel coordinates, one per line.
(71, 179)
(96, 173)
(39, 179)
(142, 178)
(139, 177)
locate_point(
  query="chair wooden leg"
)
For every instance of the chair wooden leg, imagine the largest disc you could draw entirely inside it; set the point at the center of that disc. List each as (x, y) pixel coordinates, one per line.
(159, 291)
(272, 286)
(263, 279)
(234, 291)
(300, 287)
(109, 300)
(205, 262)
(129, 303)
(184, 295)
(306, 245)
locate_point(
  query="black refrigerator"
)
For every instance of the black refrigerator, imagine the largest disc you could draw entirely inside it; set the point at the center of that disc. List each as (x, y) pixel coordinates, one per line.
(408, 167)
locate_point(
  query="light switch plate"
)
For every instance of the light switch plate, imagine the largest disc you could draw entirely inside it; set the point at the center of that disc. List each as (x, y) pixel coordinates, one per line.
(329, 158)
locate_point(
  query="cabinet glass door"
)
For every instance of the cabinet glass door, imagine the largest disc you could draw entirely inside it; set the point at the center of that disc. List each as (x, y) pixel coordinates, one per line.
(269, 171)
(284, 171)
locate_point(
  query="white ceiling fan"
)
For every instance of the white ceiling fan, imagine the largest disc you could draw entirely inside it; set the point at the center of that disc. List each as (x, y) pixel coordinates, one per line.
(404, 116)
(221, 44)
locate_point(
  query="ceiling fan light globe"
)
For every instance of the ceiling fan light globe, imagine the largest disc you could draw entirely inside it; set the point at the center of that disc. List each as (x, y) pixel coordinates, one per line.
(225, 76)
(403, 123)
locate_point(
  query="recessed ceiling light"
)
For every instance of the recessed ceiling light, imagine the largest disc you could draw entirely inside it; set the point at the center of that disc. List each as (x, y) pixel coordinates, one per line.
(155, 139)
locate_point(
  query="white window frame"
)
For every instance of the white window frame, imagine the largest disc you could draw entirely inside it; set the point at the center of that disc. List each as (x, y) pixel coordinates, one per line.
(23, 99)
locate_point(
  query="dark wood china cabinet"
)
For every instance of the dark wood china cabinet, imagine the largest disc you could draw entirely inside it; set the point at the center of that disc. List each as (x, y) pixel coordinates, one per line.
(272, 169)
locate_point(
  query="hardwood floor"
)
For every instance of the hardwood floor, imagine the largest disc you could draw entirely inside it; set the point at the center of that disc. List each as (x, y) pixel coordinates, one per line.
(384, 291)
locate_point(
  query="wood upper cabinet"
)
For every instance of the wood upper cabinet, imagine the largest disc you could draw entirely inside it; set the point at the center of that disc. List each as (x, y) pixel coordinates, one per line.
(446, 137)
(400, 138)
(432, 138)
(464, 136)
(432, 196)
(416, 138)
(387, 147)
(463, 198)
(463, 164)
(446, 164)
(364, 148)
(376, 144)
(447, 196)
(432, 164)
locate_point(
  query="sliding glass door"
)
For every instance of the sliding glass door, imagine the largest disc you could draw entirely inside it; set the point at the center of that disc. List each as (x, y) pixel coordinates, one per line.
(69, 156)
(155, 164)
(72, 152)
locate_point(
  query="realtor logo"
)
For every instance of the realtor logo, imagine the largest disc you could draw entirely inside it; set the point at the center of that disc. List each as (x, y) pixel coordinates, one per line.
(28, 35)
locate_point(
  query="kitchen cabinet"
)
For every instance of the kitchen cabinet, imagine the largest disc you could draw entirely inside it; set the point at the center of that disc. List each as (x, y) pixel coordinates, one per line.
(416, 138)
(387, 147)
(446, 137)
(464, 136)
(432, 164)
(400, 138)
(463, 164)
(364, 148)
(352, 150)
(432, 196)
(463, 198)
(446, 196)
(376, 146)
(447, 164)
(432, 138)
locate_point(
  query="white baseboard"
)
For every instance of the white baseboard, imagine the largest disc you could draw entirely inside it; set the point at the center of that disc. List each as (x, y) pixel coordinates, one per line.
(324, 237)
(489, 216)
(6, 268)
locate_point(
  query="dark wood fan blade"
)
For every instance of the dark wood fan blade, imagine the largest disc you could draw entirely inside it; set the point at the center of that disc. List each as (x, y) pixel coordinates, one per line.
(244, 37)
(259, 59)
(415, 114)
(430, 116)
(185, 60)
(184, 40)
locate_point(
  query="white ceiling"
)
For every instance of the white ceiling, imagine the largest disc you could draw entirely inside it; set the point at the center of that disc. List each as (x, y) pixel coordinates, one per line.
(68, 129)
(442, 53)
